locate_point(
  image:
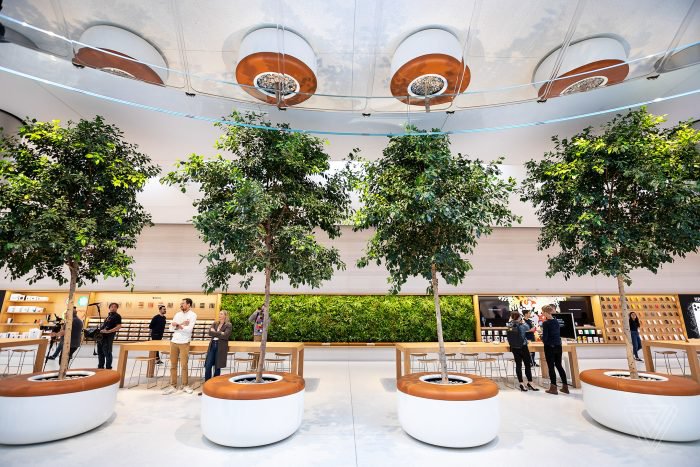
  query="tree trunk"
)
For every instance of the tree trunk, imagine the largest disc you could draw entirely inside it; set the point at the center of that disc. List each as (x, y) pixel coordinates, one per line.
(266, 324)
(441, 342)
(634, 374)
(65, 353)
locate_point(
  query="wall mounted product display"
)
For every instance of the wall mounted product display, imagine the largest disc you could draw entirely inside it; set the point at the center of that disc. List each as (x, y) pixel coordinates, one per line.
(659, 317)
(354, 318)
(23, 311)
(690, 306)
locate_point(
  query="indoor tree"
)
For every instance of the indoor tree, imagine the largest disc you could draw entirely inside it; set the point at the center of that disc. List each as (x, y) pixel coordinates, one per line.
(429, 208)
(624, 198)
(258, 211)
(68, 207)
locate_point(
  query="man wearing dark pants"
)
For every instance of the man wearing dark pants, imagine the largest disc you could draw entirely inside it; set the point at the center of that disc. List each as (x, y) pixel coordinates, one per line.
(108, 330)
(157, 328)
(551, 338)
(76, 335)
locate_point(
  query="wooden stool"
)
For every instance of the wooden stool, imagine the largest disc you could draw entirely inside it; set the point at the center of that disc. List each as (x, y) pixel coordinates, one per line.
(287, 364)
(489, 363)
(413, 357)
(141, 361)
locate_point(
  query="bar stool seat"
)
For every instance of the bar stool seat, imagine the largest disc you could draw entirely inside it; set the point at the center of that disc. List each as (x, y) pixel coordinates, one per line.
(413, 359)
(22, 354)
(666, 356)
(287, 364)
(141, 361)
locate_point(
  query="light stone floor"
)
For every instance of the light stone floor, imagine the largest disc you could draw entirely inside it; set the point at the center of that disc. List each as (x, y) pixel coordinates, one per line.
(350, 420)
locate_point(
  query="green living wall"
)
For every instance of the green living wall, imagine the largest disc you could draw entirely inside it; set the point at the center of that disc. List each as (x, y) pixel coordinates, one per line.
(354, 318)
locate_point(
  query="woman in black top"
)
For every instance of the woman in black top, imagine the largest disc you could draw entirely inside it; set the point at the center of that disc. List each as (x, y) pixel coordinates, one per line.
(634, 331)
(551, 338)
(521, 354)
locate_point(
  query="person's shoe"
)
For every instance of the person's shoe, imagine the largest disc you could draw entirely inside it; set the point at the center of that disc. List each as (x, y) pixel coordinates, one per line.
(552, 389)
(158, 362)
(199, 393)
(638, 359)
(522, 388)
(51, 357)
(535, 364)
(169, 390)
(531, 387)
(187, 389)
(565, 389)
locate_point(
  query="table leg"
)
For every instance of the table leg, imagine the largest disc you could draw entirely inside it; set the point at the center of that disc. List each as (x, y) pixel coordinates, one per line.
(694, 364)
(398, 364)
(543, 365)
(573, 367)
(40, 355)
(648, 360)
(121, 367)
(300, 363)
(150, 369)
(295, 362)
(406, 362)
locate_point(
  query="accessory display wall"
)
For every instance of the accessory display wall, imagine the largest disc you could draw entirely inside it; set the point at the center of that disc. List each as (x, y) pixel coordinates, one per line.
(659, 317)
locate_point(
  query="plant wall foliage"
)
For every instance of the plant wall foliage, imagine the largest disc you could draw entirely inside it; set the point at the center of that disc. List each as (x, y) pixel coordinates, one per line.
(354, 318)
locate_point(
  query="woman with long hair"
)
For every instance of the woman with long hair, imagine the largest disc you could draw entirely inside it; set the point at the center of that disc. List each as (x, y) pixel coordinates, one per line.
(517, 341)
(217, 353)
(634, 331)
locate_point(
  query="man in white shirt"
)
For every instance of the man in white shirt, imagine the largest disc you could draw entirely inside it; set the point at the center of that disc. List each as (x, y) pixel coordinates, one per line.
(181, 326)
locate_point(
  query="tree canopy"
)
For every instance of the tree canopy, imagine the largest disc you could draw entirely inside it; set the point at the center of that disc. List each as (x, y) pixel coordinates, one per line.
(429, 207)
(259, 209)
(625, 198)
(69, 197)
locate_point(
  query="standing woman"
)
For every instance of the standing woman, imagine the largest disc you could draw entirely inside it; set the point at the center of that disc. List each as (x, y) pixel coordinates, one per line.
(551, 338)
(217, 354)
(517, 342)
(634, 331)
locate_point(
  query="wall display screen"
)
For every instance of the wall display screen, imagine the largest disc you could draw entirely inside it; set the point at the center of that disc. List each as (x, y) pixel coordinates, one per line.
(495, 310)
(567, 328)
(690, 305)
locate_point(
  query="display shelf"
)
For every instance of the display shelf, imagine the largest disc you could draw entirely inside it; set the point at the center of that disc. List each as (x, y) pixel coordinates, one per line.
(659, 316)
(43, 311)
(137, 329)
(29, 301)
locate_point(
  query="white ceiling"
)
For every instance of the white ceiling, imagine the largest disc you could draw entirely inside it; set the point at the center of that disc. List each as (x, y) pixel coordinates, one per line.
(504, 41)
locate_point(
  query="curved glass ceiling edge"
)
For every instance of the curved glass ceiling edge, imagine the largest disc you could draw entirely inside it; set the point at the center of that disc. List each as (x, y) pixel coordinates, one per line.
(347, 133)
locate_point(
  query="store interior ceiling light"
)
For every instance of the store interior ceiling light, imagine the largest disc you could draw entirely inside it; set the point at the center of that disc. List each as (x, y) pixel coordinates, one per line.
(122, 53)
(277, 66)
(427, 68)
(588, 64)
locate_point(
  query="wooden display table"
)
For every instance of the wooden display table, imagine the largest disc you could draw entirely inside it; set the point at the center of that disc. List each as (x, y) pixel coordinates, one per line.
(403, 349)
(40, 352)
(294, 348)
(692, 347)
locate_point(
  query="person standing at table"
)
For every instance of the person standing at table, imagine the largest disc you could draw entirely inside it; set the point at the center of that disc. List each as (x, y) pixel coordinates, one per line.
(517, 341)
(634, 332)
(551, 338)
(157, 327)
(181, 326)
(258, 318)
(530, 334)
(112, 324)
(217, 353)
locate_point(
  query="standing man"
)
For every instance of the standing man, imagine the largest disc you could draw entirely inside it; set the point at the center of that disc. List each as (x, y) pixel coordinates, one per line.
(76, 336)
(157, 328)
(257, 318)
(530, 334)
(112, 324)
(181, 326)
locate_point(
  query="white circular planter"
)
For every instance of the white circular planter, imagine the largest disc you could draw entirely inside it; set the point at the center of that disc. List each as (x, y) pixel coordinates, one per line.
(36, 411)
(666, 408)
(244, 415)
(445, 415)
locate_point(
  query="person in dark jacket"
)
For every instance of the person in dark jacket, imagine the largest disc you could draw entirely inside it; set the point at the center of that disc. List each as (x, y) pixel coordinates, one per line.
(634, 331)
(551, 338)
(521, 353)
(76, 337)
(527, 318)
(217, 353)
(157, 328)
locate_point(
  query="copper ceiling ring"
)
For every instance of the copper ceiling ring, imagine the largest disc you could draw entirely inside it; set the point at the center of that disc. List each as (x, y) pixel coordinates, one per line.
(454, 71)
(97, 58)
(614, 75)
(273, 62)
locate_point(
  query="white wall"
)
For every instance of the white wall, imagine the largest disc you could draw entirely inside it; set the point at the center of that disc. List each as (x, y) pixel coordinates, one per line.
(167, 259)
